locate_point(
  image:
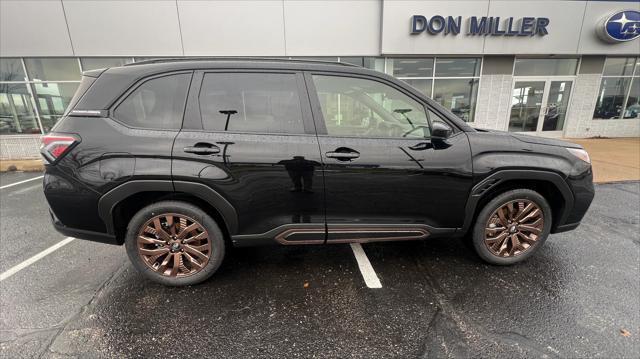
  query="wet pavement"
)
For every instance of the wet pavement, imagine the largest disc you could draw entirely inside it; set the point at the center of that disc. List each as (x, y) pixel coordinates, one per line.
(579, 297)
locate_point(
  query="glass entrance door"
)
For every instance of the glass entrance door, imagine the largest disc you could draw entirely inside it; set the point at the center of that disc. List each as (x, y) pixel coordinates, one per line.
(556, 105)
(539, 105)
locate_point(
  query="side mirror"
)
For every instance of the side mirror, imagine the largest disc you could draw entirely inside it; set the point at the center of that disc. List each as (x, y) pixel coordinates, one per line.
(440, 130)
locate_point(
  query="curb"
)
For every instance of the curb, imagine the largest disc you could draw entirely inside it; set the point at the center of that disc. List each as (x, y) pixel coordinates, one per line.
(21, 165)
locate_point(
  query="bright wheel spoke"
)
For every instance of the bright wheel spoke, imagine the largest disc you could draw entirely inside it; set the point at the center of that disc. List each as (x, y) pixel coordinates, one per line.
(153, 252)
(514, 228)
(192, 261)
(163, 249)
(147, 240)
(192, 250)
(503, 217)
(187, 230)
(531, 229)
(197, 237)
(524, 211)
(159, 230)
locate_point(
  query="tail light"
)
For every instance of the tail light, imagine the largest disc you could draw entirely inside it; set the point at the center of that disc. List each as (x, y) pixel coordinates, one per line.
(55, 146)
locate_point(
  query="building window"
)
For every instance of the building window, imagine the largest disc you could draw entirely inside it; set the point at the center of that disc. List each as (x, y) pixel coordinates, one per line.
(52, 99)
(16, 110)
(53, 82)
(53, 69)
(453, 82)
(458, 95)
(92, 63)
(17, 113)
(374, 63)
(11, 70)
(619, 94)
(545, 67)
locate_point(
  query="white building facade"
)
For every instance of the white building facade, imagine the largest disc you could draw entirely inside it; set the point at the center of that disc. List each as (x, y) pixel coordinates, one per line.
(549, 67)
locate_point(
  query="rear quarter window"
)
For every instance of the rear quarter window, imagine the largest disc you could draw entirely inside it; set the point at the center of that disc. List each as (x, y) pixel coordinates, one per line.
(85, 84)
(157, 103)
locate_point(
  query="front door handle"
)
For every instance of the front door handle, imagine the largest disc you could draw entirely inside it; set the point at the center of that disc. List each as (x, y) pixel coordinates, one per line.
(202, 148)
(343, 154)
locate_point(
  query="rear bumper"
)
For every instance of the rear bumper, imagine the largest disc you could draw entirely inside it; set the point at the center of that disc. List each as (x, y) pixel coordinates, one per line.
(82, 234)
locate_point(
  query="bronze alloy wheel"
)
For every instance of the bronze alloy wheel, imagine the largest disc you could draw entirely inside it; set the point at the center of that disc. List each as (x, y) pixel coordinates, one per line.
(514, 228)
(174, 245)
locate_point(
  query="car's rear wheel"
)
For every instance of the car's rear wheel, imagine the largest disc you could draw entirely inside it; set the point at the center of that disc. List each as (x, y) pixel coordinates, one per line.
(174, 243)
(512, 227)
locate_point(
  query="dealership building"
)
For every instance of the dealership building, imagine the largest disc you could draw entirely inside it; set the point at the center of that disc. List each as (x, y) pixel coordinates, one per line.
(548, 68)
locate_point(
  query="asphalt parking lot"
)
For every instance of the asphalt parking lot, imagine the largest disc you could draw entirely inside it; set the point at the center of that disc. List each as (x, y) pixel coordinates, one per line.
(579, 297)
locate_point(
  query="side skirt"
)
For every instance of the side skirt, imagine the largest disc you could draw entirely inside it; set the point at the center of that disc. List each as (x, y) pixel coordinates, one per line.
(316, 233)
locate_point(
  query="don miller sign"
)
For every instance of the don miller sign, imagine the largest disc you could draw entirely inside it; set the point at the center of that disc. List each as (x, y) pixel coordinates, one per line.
(480, 26)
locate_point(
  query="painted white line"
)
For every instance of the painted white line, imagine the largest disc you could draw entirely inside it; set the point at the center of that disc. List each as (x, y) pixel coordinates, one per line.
(37, 257)
(369, 275)
(21, 182)
(24, 190)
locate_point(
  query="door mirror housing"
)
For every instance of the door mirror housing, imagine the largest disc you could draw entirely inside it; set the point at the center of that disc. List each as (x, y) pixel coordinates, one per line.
(440, 130)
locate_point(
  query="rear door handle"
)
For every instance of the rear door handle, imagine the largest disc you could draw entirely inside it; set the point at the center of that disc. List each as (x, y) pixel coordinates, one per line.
(343, 154)
(202, 148)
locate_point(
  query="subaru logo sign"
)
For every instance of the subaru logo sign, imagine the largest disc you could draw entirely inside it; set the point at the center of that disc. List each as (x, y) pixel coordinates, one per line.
(620, 27)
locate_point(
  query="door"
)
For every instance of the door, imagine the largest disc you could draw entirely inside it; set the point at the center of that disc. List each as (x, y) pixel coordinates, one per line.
(540, 105)
(249, 137)
(385, 177)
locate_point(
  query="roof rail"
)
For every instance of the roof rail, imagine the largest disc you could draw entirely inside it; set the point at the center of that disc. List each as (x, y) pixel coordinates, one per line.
(262, 59)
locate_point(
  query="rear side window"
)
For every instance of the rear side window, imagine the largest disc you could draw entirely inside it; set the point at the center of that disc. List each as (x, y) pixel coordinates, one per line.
(157, 103)
(251, 102)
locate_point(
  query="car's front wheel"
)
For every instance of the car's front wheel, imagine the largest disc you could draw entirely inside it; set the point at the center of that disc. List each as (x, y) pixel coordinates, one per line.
(174, 243)
(512, 227)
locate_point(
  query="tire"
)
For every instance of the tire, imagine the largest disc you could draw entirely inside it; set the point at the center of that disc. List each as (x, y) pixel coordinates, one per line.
(174, 256)
(492, 245)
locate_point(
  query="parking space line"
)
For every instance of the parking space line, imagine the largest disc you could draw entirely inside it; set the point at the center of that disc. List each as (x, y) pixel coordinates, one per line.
(368, 274)
(20, 182)
(25, 190)
(15, 269)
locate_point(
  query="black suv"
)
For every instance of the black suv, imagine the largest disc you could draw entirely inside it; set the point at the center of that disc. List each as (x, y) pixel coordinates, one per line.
(178, 159)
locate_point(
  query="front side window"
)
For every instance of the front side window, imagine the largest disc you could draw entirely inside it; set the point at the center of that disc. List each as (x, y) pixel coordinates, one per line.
(366, 108)
(157, 103)
(251, 102)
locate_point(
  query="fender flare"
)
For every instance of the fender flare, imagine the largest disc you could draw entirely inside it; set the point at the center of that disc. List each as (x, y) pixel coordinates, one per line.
(110, 200)
(480, 189)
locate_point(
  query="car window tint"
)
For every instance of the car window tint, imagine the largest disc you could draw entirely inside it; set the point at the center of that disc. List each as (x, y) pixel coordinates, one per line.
(157, 103)
(251, 102)
(367, 108)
